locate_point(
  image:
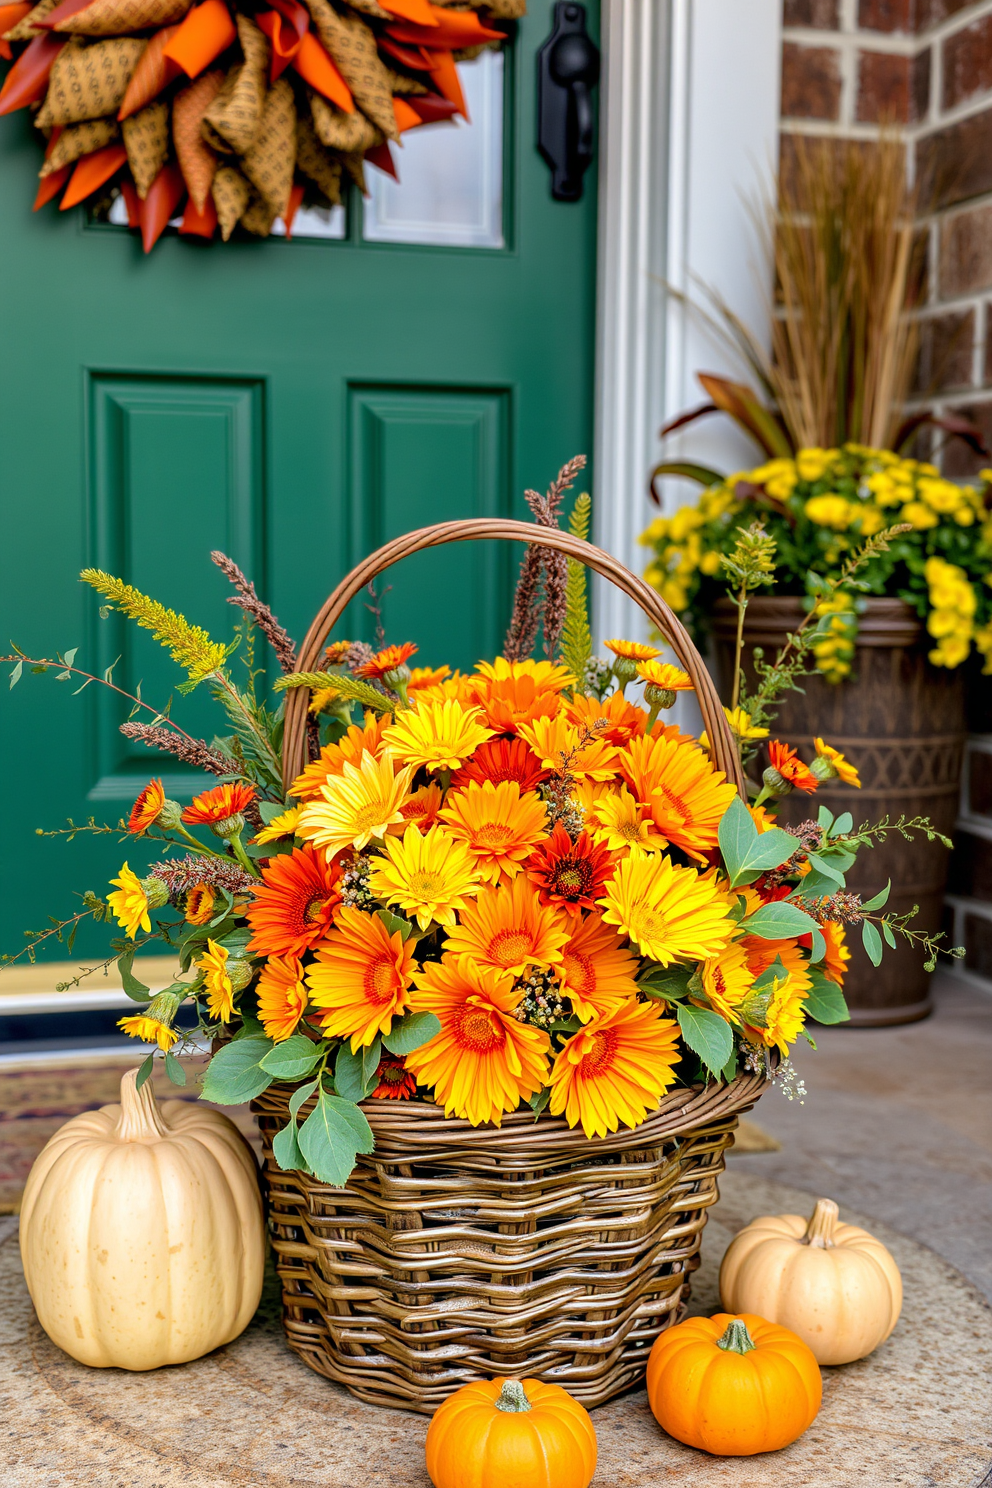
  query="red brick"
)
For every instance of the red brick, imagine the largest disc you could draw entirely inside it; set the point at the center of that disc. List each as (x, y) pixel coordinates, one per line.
(968, 62)
(944, 363)
(892, 88)
(887, 15)
(955, 163)
(822, 14)
(966, 252)
(962, 463)
(810, 82)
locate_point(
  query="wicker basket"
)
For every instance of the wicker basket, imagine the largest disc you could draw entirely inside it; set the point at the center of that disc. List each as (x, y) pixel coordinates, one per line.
(456, 1253)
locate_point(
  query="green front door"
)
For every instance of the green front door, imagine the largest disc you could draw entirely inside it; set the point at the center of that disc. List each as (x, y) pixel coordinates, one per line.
(292, 403)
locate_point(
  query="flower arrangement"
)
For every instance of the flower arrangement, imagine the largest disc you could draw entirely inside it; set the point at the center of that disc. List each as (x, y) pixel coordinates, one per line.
(820, 507)
(518, 887)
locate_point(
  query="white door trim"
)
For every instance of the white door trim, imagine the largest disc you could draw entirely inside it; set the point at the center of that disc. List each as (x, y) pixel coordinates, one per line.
(689, 124)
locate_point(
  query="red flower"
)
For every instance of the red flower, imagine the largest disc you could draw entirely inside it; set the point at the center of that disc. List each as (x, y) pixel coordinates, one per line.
(218, 804)
(570, 874)
(395, 1080)
(295, 904)
(144, 812)
(502, 759)
(791, 768)
(389, 660)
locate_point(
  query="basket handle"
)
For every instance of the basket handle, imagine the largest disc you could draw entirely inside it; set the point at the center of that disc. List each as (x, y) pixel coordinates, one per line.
(723, 747)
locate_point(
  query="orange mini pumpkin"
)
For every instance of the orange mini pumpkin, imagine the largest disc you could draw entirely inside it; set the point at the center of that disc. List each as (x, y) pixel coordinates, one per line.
(506, 1433)
(733, 1386)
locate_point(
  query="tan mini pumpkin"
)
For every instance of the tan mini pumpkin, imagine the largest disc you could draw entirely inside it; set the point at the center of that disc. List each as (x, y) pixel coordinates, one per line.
(142, 1232)
(833, 1284)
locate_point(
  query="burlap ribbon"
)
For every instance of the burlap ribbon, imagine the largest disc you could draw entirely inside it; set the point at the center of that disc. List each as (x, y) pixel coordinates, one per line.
(354, 164)
(115, 17)
(371, 8)
(230, 192)
(89, 80)
(270, 160)
(196, 159)
(146, 139)
(77, 140)
(400, 83)
(340, 131)
(315, 163)
(27, 26)
(258, 216)
(231, 122)
(353, 47)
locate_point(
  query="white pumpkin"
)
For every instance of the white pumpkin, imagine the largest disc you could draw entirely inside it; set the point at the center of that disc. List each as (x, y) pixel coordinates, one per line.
(142, 1232)
(833, 1284)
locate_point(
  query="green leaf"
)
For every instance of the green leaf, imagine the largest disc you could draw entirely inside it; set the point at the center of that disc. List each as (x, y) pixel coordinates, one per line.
(332, 1136)
(825, 1001)
(411, 1032)
(15, 675)
(824, 866)
(349, 1075)
(285, 1143)
(729, 1071)
(880, 898)
(779, 921)
(539, 1100)
(395, 922)
(250, 1028)
(136, 990)
(707, 1034)
(174, 1069)
(269, 810)
(890, 939)
(144, 1070)
(819, 947)
(292, 1058)
(748, 852)
(667, 985)
(842, 825)
(235, 1073)
(872, 942)
(825, 818)
(816, 885)
(370, 1064)
(688, 470)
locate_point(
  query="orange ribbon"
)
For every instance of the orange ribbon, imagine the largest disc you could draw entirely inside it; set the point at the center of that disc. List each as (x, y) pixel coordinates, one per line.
(199, 224)
(285, 26)
(295, 202)
(316, 66)
(92, 172)
(406, 117)
(201, 37)
(164, 195)
(153, 72)
(9, 17)
(417, 11)
(27, 80)
(452, 28)
(50, 186)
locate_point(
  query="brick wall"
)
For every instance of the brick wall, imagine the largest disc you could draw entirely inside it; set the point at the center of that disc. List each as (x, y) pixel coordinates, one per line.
(847, 65)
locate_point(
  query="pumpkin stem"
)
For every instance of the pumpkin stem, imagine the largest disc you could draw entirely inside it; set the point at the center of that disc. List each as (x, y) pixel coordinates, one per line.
(819, 1231)
(139, 1120)
(737, 1340)
(512, 1397)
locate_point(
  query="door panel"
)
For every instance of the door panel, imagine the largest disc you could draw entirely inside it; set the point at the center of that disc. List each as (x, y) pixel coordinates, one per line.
(293, 402)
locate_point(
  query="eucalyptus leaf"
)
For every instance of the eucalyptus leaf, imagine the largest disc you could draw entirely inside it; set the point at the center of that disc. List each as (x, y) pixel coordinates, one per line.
(349, 1077)
(174, 1069)
(823, 865)
(370, 1063)
(286, 1149)
(842, 825)
(707, 1034)
(779, 920)
(825, 818)
(880, 898)
(136, 990)
(890, 939)
(819, 947)
(872, 942)
(747, 852)
(395, 923)
(144, 1070)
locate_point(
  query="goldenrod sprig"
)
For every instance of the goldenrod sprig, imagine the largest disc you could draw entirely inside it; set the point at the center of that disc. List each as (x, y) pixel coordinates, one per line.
(576, 639)
(341, 684)
(189, 645)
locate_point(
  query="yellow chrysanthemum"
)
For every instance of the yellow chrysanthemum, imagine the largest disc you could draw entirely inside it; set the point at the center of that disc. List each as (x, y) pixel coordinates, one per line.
(283, 825)
(509, 929)
(597, 973)
(615, 1069)
(483, 1062)
(555, 741)
(839, 767)
(356, 806)
(741, 725)
(682, 792)
(662, 674)
(632, 650)
(498, 825)
(149, 1031)
(130, 903)
(669, 913)
(428, 874)
(437, 736)
(217, 982)
(282, 997)
(350, 749)
(362, 975)
(727, 979)
(786, 1012)
(624, 823)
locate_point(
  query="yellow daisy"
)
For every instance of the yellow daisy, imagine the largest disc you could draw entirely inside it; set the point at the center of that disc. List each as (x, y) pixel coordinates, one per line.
(727, 979)
(669, 913)
(662, 674)
(429, 874)
(615, 1069)
(351, 808)
(632, 650)
(624, 823)
(283, 825)
(130, 904)
(437, 736)
(499, 826)
(786, 1012)
(217, 982)
(830, 764)
(556, 742)
(149, 1031)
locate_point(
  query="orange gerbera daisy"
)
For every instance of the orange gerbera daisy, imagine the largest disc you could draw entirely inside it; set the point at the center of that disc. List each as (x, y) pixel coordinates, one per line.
(498, 825)
(556, 742)
(421, 677)
(684, 795)
(362, 974)
(570, 874)
(624, 720)
(421, 809)
(200, 902)
(389, 659)
(349, 749)
(727, 979)
(483, 1062)
(791, 768)
(282, 997)
(508, 928)
(295, 903)
(145, 811)
(632, 650)
(514, 692)
(219, 804)
(834, 963)
(502, 759)
(615, 1069)
(597, 972)
(395, 1080)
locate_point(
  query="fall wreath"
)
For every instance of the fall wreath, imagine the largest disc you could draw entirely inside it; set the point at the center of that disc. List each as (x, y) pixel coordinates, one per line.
(235, 113)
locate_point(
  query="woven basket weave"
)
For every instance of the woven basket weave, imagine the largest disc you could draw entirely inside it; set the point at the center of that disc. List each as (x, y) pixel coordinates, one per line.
(459, 1252)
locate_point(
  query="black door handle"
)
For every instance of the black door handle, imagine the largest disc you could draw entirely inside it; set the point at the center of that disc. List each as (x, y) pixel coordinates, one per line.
(568, 69)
